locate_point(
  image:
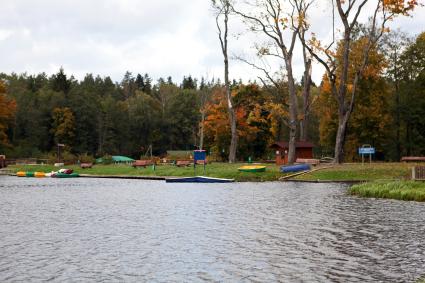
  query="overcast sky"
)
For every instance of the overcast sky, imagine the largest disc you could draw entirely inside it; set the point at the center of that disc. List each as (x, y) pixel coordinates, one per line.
(108, 37)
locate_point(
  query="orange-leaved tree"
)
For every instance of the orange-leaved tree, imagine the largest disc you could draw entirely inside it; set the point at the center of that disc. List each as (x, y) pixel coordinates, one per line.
(7, 112)
(253, 121)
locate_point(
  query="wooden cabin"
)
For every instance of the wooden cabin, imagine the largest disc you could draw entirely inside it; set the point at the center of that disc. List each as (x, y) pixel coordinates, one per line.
(302, 150)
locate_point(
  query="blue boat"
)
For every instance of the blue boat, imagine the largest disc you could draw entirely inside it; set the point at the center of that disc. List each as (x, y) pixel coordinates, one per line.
(295, 168)
(198, 179)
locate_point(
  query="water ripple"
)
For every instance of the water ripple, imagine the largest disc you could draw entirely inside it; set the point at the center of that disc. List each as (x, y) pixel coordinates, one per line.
(130, 230)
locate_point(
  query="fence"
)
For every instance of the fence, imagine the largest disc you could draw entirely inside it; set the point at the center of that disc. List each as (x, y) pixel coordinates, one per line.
(418, 173)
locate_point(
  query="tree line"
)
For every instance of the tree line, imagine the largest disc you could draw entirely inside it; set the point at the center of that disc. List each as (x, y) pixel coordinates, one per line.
(372, 92)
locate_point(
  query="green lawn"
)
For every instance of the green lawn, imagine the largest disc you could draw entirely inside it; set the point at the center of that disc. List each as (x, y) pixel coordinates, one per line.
(218, 170)
(356, 171)
(345, 172)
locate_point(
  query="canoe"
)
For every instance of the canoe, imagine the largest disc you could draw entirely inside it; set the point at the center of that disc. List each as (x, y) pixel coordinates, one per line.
(198, 179)
(63, 175)
(295, 168)
(29, 174)
(252, 168)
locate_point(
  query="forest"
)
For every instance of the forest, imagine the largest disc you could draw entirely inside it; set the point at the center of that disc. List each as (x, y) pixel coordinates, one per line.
(96, 116)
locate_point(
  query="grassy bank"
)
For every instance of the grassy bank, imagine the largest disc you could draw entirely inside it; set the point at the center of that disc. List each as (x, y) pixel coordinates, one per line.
(401, 190)
(345, 172)
(359, 172)
(218, 170)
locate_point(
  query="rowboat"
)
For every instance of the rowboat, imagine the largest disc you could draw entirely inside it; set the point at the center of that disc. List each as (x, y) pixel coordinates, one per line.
(198, 179)
(64, 175)
(252, 168)
(295, 168)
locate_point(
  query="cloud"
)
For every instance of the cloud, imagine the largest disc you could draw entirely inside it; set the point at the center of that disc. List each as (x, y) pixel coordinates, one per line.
(109, 37)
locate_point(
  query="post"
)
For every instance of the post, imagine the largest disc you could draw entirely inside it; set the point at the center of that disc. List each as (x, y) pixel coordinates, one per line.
(59, 152)
(413, 173)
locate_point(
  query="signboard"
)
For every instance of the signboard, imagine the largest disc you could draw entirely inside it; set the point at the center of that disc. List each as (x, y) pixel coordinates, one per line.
(366, 150)
(199, 155)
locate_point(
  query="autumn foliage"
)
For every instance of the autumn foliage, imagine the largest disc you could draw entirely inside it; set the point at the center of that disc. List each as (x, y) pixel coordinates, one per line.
(7, 112)
(254, 123)
(371, 117)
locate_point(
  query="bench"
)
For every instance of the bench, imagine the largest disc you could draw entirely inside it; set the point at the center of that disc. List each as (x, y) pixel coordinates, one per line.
(181, 163)
(310, 161)
(142, 163)
(86, 165)
(413, 158)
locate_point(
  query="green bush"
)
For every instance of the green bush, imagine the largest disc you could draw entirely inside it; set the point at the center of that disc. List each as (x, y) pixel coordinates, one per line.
(65, 157)
(107, 159)
(86, 158)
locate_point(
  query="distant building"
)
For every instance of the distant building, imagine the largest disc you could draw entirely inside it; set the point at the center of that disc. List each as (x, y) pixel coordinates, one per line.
(302, 150)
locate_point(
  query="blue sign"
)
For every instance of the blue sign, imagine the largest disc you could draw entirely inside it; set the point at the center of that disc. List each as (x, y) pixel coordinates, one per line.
(366, 150)
(199, 155)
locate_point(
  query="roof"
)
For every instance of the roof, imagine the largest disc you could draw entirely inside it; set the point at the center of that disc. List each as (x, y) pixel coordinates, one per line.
(298, 144)
(118, 158)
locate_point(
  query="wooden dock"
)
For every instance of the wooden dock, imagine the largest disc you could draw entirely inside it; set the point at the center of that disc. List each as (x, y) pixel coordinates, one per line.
(123, 177)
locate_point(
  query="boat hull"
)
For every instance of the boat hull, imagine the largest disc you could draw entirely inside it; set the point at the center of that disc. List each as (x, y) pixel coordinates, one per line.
(63, 175)
(198, 179)
(252, 168)
(295, 168)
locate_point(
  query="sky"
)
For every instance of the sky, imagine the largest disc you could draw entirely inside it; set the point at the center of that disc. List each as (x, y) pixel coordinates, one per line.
(162, 38)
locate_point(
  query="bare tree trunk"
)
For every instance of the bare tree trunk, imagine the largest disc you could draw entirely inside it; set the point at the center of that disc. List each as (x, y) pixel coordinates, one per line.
(232, 115)
(224, 8)
(340, 137)
(292, 112)
(306, 99)
(201, 134)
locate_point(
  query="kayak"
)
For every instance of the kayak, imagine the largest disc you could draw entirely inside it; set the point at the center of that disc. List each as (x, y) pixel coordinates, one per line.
(198, 179)
(63, 175)
(295, 168)
(252, 168)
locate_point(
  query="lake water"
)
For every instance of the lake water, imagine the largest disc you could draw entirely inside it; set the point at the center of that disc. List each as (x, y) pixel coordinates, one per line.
(85, 230)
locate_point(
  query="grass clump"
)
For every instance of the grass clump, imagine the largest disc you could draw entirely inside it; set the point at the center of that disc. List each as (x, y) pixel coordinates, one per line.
(400, 190)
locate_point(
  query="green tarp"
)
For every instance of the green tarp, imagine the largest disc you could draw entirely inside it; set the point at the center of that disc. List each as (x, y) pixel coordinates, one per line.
(117, 159)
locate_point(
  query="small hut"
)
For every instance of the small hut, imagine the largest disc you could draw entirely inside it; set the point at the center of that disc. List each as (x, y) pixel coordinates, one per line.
(302, 150)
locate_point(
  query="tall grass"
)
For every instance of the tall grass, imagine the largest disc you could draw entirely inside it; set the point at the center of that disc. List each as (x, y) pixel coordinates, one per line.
(401, 190)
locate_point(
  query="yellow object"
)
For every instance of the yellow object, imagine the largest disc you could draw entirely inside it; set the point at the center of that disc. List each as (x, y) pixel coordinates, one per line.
(20, 174)
(252, 168)
(39, 174)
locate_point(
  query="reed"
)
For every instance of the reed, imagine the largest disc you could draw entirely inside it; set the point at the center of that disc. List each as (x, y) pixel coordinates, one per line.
(401, 190)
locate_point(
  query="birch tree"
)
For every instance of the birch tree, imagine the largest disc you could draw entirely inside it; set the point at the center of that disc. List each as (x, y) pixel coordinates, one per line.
(223, 9)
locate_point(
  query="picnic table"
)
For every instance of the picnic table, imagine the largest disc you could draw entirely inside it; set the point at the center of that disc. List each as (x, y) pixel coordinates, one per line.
(413, 158)
(142, 163)
(86, 165)
(182, 163)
